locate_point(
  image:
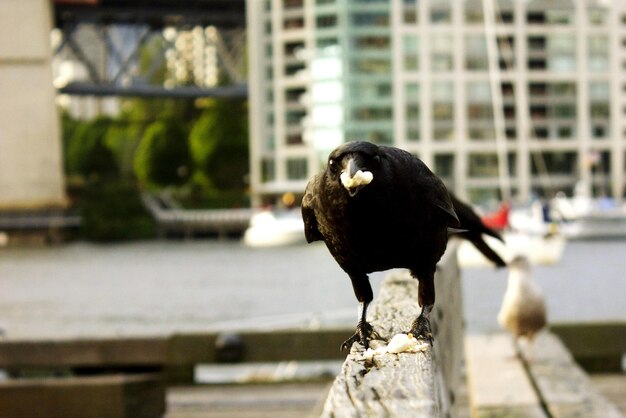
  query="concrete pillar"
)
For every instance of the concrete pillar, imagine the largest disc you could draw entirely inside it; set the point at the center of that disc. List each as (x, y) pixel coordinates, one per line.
(31, 169)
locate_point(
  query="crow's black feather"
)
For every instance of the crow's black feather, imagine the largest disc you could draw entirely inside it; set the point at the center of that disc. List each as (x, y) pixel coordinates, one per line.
(399, 219)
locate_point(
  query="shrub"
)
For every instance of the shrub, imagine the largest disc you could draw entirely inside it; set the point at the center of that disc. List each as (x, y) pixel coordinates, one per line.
(112, 211)
(219, 144)
(87, 154)
(162, 157)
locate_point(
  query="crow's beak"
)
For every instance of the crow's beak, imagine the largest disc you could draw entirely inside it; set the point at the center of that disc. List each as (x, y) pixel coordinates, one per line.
(354, 178)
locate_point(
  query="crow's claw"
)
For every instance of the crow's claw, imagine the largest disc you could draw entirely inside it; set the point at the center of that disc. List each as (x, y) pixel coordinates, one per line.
(364, 332)
(421, 329)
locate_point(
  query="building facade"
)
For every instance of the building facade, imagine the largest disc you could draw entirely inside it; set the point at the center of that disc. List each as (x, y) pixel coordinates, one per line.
(498, 97)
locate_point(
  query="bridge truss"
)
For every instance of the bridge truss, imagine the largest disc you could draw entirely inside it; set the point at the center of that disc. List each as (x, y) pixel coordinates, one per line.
(150, 48)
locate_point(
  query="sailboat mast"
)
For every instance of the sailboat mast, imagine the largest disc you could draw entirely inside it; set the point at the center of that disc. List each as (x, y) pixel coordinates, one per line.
(496, 98)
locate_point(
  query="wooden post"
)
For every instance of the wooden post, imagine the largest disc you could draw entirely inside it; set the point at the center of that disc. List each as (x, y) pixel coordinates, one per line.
(419, 384)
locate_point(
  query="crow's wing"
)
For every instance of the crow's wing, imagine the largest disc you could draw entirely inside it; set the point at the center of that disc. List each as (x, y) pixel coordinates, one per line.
(441, 199)
(309, 202)
(473, 228)
(470, 220)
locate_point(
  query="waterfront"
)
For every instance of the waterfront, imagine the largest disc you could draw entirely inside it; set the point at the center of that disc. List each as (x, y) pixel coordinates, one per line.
(160, 287)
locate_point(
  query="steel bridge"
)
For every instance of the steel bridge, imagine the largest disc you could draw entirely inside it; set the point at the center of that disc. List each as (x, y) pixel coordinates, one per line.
(151, 48)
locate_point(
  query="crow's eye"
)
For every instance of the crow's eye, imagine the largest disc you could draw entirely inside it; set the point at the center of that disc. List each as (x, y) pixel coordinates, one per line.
(376, 159)
(332, 164)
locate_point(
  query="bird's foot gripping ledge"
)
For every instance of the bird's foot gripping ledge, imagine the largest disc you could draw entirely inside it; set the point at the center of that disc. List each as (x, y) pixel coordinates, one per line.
(364, 332)
(405, 377)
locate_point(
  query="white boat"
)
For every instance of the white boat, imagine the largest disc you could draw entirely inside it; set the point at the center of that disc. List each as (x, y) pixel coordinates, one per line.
(540, 249)
(580, 217)
(275, 228)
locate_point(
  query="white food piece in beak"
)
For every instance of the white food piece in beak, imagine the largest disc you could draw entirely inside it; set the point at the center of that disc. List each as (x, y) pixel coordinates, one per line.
(361, 178)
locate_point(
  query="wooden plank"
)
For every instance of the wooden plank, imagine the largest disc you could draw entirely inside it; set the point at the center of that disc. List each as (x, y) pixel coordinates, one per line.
(110, 396)
(563, 385)
(497, 382)
(175, 350)
(596, 346)
(105, 352)
(405, 384)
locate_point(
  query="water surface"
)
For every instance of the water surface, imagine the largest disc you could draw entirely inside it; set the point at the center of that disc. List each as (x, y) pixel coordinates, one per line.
(159, 287)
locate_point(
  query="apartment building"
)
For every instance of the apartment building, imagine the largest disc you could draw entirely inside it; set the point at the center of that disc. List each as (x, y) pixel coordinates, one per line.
(500, 98)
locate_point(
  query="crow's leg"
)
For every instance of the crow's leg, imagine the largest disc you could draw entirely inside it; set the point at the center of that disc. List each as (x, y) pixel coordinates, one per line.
(426, 299)
(364, 294)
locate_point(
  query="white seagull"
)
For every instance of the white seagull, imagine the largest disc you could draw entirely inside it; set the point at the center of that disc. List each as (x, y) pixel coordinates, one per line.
(523, 310)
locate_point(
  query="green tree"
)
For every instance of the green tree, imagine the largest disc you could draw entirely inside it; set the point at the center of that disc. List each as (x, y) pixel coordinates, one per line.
(87, 153)
(162, 157)
(219, 144)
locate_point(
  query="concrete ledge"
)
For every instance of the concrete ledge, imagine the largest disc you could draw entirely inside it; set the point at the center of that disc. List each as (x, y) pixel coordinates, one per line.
(421, 384)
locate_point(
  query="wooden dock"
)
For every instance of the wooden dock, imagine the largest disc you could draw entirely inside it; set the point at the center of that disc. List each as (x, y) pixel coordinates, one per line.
(544, 382)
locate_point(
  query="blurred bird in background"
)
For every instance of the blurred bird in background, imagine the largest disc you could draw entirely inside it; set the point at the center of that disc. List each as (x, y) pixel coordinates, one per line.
(523, 310)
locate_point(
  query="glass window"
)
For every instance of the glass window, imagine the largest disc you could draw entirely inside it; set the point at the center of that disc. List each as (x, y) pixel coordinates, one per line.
(293, 23)
(473, 11)
(412, 132)
(561, 53)
(478, 92)
(412, 111)
(505, 16)
(369, 90)
(441, 53)
(443, 91)
(476, 57)
(443, 111)
(297, 169)
(412, 92)
(559, 17)
(598, 46)
(597, 17)
(554, 163)
(599, 110)
(565, 132)
(483, 165)
(444, 165)
(370, 113)
(380, 19)
(599, 91)
(409, 14)
(443, 133)
(326, 21)
(371, 66)
(564, 111)
(562, 90)
(268, 172)
(440, 12)
(293, 4)
(411, 53)
(294, 118)
(371, 42)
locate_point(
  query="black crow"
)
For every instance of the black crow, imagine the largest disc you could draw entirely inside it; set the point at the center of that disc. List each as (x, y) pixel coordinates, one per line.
(378, 208)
